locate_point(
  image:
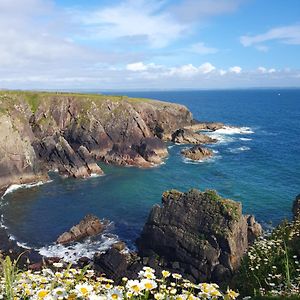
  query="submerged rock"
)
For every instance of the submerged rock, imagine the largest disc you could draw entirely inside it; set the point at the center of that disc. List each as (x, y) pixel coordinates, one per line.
(187, 136)
(89, 226)
(197, 153)
(204, 235)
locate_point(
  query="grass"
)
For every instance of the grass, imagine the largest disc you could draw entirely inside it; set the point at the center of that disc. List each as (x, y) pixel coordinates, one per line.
(271, 267)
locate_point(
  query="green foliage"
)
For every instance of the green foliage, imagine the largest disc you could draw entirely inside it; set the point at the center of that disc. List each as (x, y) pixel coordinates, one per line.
(10, 273)
(271, 266)
(33, 100)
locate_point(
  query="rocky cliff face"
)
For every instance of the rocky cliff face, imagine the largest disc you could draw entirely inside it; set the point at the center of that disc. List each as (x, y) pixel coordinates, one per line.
(69, 133)
(200, 234)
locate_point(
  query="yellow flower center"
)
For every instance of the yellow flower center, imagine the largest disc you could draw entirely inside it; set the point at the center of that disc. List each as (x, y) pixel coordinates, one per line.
(136, 288)
(115, 296)
(84, 291)
(148, 285)
(42, 294)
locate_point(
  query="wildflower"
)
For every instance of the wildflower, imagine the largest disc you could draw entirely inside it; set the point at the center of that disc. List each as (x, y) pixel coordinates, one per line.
(176, 276)
(148, 269)
(165, 273)
(148, 284)
(83, 290)
(159, 296)
(41, 294)
(59, 292)
(232, 294)
(134, 286)
(114, 294)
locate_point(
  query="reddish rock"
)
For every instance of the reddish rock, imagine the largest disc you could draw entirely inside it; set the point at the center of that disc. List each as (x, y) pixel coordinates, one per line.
(89, 226)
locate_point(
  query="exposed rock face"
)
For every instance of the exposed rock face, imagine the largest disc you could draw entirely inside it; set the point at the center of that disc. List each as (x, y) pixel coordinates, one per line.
(296, 207)
(117, 265)
(187, 136)
(69, 133)
(208, 126)
(197, 233)
(89, 226)
(197, 153)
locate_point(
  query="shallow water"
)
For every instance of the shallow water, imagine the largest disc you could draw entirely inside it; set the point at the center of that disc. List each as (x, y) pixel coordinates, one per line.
(259, 165)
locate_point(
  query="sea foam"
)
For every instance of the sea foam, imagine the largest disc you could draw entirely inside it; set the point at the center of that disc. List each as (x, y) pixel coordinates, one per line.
(12, 188)
(71, 253)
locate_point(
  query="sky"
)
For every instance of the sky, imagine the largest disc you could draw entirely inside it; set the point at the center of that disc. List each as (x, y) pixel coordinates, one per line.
(149, 44)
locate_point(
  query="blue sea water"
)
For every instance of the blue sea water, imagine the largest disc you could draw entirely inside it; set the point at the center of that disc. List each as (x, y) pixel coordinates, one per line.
(258, 165)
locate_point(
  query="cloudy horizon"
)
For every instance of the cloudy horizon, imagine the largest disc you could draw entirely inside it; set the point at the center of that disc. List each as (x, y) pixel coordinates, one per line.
(154, 44)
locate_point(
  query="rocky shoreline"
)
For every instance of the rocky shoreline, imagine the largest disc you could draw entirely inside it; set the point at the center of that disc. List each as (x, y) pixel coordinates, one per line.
(70, 133)
(197, 234)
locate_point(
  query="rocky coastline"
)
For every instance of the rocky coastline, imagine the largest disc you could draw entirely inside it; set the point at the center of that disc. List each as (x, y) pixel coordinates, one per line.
(70, 133)
(197, 234)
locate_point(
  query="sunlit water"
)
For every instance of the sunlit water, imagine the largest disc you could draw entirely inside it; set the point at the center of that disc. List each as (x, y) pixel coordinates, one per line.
(259, 165)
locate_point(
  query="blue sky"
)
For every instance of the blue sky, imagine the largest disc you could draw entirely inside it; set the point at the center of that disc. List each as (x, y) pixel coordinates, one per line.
(149, 44)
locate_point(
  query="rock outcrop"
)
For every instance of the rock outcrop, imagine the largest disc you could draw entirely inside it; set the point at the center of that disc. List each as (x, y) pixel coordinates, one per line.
(89, 226)
(197, 233)
(43, 132)
(207, 126)
(187, 136)
(197, 153)
(296, 207)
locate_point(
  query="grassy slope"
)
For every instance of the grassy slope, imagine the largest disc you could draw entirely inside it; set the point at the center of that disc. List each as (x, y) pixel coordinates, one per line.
(35, 98)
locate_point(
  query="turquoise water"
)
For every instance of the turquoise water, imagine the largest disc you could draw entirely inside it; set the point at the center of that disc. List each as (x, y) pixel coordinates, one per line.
(259, 166)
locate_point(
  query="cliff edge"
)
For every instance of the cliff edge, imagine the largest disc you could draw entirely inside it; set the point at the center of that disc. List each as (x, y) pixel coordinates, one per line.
(69, 133)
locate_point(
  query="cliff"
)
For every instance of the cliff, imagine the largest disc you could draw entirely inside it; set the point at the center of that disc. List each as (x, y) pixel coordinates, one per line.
(198, 233)
(69, 133)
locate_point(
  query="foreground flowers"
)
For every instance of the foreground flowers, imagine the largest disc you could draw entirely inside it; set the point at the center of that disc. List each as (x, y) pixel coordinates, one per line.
(73, 283)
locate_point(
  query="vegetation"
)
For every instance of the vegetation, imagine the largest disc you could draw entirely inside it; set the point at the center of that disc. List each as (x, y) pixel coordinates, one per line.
(271, 268)
(69, 283)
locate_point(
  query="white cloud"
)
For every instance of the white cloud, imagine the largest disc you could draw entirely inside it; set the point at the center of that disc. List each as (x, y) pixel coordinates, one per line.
(264, 70)
(201, 49)
(285, 34)
(190, 70)
(206, 68)
(140, 20)
(136, 67)
(235, 69)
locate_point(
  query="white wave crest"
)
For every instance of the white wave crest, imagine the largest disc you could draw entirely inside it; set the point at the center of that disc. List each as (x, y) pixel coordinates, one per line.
(2, 225)
(230, 130)
(12, 188)
(240, 149)
(245, 139)
(201, 161)
(72, 253)
(227, 134)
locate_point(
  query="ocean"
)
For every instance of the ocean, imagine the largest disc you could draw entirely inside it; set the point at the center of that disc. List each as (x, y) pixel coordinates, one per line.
(257, 164)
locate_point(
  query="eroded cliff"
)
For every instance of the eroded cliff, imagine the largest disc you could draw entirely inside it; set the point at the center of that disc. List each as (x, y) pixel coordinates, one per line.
(69, 133)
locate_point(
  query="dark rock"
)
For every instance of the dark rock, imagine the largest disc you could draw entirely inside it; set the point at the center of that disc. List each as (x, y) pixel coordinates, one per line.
(197, 153)
(187, 136)
(69, 133)
(195, 232)
(296, 207)
(117, 265)
(254, 229)
(89, 226)
(36, 267)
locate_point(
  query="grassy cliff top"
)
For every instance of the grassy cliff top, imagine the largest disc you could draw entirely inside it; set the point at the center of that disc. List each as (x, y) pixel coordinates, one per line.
(35, 98)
